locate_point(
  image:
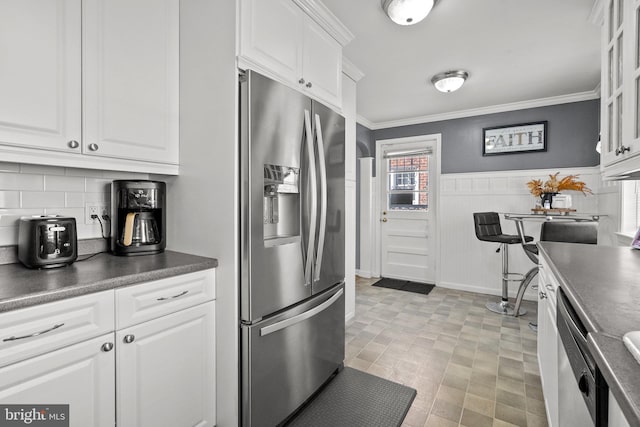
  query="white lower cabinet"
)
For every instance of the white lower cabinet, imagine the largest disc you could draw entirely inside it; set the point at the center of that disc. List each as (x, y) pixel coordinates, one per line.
(548, 343)
(155, 369)
(166, 370)
(81, 376)
(615, 416)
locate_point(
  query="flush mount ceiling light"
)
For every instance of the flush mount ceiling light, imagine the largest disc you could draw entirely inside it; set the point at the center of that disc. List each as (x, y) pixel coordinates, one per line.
(449, 81)
(407, 12)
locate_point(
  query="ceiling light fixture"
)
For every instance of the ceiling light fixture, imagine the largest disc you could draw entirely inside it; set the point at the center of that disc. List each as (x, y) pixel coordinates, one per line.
(407, 12)
(449, 81)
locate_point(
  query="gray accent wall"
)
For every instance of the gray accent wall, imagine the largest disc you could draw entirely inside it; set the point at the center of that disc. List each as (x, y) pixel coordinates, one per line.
(572, 133)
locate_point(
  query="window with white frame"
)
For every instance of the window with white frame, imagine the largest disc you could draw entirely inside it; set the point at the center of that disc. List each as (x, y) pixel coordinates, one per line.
(630, 221)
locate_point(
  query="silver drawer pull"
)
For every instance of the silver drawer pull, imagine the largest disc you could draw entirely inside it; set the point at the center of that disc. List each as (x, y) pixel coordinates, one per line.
(175, 296)
(59, 325)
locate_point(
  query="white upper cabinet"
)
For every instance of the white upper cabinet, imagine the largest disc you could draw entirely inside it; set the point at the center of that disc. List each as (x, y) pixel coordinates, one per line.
(283, 40)
(620, 117)
(40, 82)
(86, 78)
(130, 65)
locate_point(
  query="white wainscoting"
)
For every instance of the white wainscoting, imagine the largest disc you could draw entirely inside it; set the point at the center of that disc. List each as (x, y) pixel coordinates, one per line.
(469, 264)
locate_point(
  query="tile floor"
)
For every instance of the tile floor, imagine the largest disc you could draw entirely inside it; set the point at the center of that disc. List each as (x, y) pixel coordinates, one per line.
(469, 366)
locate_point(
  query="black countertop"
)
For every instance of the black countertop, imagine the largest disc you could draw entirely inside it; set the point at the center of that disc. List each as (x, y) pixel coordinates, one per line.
(603, 285)
(22, 287)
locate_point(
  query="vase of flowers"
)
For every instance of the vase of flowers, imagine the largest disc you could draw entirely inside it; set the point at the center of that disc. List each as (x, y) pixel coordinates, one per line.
(554, 185)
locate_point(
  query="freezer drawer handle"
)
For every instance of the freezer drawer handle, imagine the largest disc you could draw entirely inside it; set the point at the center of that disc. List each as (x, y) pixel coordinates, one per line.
(35, 334)
(172, 297)
(300, 317)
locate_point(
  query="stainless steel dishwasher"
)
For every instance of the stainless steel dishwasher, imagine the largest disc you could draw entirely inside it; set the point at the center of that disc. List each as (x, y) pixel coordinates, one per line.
(582, 391)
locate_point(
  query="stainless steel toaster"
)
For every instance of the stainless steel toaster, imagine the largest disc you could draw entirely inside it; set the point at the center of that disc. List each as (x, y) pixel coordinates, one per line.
(47, 241)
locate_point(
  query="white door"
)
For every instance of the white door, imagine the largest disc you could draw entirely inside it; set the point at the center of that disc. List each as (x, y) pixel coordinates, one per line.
(81, 376)
(408, 187)
(165, 371)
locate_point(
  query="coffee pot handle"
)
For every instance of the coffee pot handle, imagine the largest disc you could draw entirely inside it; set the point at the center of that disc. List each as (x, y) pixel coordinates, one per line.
(128, 228)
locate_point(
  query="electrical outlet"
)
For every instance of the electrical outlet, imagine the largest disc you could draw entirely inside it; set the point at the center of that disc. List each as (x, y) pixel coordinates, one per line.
(94, 209)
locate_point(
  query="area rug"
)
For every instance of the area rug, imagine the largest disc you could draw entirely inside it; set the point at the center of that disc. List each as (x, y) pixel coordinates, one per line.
(405, 285)
(356, 399)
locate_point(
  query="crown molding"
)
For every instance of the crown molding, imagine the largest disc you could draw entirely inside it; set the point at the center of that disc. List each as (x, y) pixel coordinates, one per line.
(351, 70)
(365, 122)
(326, 19)
(596, 16)
(535, 103)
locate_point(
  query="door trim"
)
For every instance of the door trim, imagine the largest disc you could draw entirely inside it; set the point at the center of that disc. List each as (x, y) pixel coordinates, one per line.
(437, 137)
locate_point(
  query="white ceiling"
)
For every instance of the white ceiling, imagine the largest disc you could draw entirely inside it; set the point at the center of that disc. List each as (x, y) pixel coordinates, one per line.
(515, 51)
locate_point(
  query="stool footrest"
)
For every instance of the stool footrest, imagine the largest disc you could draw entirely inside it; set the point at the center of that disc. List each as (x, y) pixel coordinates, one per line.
(506, 308)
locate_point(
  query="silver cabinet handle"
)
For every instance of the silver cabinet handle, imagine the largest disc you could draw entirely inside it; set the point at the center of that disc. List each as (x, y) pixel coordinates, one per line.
(301, 81)
(107, 347)
(542, 295)
(300, 317)
(550, 287)
(172, 297)
(93, 147)
(308, 84)
(73, 144)
(622, 149)
(59, 325)
(129, 338)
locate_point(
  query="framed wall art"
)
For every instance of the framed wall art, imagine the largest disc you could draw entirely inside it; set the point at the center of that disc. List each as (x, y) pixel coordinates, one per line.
(521, 138)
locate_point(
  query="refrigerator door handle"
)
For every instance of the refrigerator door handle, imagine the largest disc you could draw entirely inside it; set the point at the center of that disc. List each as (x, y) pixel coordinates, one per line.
(314, 200)
(300, 317)
(323, 197)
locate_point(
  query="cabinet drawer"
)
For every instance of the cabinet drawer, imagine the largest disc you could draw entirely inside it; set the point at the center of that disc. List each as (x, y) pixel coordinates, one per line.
(36, 330)
(139, 303)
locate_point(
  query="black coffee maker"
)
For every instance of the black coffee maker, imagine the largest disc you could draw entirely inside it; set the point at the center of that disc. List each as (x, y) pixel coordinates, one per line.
(138, 224)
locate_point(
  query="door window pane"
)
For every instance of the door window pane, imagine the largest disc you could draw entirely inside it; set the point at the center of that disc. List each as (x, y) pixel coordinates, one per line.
(619, 64)
(408, 182)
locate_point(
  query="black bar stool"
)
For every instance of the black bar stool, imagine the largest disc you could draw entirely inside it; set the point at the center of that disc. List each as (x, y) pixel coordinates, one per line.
(556, 231)
(488, 229)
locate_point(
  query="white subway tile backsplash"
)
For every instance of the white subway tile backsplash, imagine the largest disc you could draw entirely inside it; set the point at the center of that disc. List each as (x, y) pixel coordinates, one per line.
(41, 169)
(9, 199)
(10, 217)
(63, 183)
(42, 199)
(17, 181)
(28, 190)
(97, 185)
(74, 200)
(92, 173)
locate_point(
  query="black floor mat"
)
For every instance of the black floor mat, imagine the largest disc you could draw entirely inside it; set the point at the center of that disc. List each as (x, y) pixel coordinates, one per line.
(405, 285)
(357, 399)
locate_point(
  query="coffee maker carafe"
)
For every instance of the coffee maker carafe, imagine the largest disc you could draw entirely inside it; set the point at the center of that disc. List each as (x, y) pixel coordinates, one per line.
(138, 225)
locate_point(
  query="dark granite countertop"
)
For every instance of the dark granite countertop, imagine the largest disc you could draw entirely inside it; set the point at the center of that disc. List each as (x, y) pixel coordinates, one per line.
(22, 287)
(603, 285)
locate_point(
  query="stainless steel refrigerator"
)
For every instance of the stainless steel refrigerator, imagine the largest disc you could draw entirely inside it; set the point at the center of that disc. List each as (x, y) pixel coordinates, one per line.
(292, 248)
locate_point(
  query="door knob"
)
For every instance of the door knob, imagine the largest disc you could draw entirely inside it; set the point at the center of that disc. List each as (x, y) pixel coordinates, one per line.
(106, 347)
(129, 339)
(73, 144)
(384, 220)
(301, 81)
(308, 84)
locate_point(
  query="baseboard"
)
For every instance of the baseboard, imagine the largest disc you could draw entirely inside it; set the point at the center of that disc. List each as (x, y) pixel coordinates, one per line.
(349, 316)
(363, 273)
(528, 296)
